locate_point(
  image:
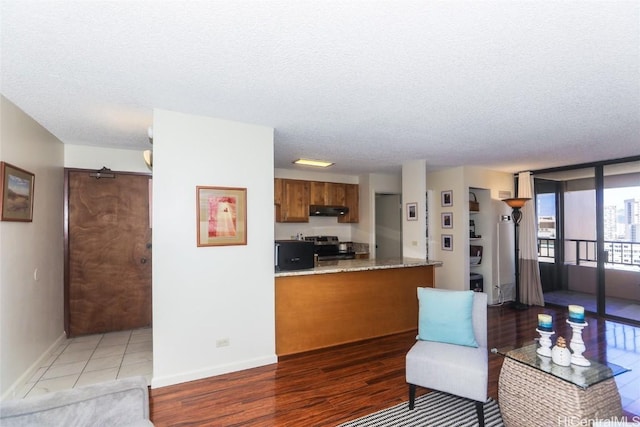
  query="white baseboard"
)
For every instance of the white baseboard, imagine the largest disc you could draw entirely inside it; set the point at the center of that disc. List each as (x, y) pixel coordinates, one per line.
(22, 380)
(182, 377)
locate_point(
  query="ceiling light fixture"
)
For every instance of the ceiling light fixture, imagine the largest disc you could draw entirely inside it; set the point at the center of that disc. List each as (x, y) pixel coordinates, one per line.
(147, 155)
(148, 158)
(316, 163)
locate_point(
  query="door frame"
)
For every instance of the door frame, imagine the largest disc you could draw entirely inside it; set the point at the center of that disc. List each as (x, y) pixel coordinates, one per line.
(66, 279)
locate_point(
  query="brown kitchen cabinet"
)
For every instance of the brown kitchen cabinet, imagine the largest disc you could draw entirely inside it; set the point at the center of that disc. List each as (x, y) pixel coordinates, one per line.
(352, 201)
(293, 198)
(277, 191)
(327, 193)
(336, 194)
(318, 193)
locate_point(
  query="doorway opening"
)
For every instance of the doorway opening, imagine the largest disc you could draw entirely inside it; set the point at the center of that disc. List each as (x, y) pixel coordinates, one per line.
(388, 231)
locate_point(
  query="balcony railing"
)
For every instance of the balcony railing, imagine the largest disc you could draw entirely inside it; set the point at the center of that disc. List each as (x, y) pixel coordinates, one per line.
(546, 249)
(583, 252)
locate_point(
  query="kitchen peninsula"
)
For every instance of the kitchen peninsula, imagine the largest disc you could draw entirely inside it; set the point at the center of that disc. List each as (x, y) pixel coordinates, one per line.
(339, 302)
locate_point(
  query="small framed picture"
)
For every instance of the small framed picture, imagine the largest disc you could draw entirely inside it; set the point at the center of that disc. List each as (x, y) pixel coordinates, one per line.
(447, 220)
(412, 211)
(447, 242)
(447, 198)
(221, 216)
(16, 193)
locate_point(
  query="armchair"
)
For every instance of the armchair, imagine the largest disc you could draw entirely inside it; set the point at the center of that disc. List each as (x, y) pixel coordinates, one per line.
(460, 370)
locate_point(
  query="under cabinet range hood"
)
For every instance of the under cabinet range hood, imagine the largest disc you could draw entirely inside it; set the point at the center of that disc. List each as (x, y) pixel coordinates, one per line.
(317, 210)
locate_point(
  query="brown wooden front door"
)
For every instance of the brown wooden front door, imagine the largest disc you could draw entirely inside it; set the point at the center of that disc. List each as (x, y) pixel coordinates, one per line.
(108, 252)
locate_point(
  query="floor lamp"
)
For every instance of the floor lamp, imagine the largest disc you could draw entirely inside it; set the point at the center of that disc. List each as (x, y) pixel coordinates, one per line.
(516, 204)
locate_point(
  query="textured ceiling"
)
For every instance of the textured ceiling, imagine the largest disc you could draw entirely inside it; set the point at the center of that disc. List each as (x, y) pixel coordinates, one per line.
(509, 85)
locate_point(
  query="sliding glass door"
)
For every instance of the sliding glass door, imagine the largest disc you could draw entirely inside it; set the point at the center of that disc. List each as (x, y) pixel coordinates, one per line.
(580, 238)
(621, 240)
(567, 255)
(549, 253)
(589, 237)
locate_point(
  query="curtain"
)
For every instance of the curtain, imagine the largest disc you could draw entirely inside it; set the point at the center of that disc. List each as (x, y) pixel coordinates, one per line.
(530, 284)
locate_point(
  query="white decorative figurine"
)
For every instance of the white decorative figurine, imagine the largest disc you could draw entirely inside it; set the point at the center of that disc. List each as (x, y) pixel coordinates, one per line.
(560, 354)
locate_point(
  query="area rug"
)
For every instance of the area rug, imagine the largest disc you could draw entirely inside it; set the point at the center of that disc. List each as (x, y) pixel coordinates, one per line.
(432, 409)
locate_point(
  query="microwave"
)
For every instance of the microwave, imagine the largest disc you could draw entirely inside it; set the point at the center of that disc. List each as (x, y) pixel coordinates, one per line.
(293, 255)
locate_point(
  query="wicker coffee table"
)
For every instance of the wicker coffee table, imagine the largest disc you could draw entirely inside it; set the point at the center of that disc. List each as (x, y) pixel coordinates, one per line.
(532, 390)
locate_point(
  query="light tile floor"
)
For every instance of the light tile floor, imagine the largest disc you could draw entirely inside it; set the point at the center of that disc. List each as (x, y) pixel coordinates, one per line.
(92, 359)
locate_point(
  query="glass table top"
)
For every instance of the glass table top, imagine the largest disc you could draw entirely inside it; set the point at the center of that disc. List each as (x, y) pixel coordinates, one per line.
(581, 376)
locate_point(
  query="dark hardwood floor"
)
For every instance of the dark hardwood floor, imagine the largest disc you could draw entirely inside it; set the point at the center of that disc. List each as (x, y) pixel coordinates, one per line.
(328, 387)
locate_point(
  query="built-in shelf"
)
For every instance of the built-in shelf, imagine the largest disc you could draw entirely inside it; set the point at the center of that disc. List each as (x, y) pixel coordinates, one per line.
(480, 244)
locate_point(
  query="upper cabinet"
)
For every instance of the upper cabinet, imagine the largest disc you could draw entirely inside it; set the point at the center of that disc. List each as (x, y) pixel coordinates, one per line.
(336, 195)
(317, 196)
(327, 193)
(292, 198)
(352, 201)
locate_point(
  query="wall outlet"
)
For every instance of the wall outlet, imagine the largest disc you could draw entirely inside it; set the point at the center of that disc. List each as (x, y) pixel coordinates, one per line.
(222, 342)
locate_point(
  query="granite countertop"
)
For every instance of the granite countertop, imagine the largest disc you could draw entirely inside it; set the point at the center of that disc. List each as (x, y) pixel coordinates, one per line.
(348, 265)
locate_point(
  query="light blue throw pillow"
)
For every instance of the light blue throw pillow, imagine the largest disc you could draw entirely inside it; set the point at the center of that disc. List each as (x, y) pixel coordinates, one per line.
(446, 316)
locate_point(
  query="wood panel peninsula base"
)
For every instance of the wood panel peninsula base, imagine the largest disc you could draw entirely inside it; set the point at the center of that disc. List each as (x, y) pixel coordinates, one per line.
(347, 301)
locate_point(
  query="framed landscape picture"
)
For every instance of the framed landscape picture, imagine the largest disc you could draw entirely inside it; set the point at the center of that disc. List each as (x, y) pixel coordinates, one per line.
(221, 216)
(16, 198)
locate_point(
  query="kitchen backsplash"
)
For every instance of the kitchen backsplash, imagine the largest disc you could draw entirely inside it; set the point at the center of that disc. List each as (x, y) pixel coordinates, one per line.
(317, 226)
(360, 247)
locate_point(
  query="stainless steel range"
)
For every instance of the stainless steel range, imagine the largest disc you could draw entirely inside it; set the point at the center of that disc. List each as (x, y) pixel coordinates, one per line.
(329, 248)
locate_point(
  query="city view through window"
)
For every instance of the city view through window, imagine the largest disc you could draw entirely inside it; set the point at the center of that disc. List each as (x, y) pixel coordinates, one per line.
(621, 228)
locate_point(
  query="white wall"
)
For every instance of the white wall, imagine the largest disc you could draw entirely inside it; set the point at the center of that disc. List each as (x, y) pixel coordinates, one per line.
(86, 157)
(31, 305)
(205, 294)
(452, 274)
(414, 190)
